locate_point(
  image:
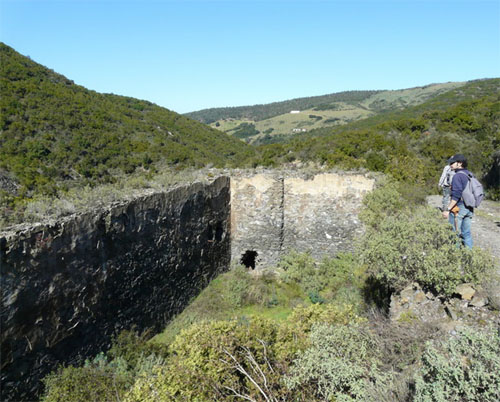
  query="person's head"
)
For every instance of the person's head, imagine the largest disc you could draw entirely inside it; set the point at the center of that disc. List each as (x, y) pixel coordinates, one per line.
(458, 161)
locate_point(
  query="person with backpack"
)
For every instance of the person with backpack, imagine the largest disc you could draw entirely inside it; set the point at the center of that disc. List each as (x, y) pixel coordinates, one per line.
(466, 194)
(445, 184)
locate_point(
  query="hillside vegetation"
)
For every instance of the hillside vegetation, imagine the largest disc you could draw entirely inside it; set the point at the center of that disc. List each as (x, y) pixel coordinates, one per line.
(262, 112)
(413, 144)
(56, 135)
(276, 119)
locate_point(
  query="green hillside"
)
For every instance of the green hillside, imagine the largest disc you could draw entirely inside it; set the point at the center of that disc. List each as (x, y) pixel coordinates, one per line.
(262, 112)
(411, 144)
(262, 123)
(56, 134)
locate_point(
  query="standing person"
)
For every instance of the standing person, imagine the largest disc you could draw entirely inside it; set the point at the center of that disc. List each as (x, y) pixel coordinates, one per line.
(461, 221)
(445, 184)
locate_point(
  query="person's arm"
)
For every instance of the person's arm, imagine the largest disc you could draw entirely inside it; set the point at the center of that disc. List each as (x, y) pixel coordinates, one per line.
(451, 205)
(457, 187)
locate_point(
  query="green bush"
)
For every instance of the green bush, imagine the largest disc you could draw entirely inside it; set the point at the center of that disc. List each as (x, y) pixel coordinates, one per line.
(108, 376)
(419, 246)
(384, 201)
(216, 361)
(294, 333)
(341, 363)
(241, 289)
(466, 367)
(301, 268)
(339, 278)
(89, 383)
(132, 348)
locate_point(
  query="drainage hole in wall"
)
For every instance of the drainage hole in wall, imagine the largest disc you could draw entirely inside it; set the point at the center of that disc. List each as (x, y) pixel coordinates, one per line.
(248, 258)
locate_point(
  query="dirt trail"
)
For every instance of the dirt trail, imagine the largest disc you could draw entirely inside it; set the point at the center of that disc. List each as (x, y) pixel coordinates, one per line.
(485, 225)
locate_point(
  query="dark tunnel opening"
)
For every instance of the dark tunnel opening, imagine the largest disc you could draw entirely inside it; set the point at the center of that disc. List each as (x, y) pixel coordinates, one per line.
(248, 258)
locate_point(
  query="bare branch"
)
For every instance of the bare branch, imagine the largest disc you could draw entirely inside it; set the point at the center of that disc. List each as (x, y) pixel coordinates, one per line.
(265, 355)
(242, 370)
(255, 365)
(236, 393)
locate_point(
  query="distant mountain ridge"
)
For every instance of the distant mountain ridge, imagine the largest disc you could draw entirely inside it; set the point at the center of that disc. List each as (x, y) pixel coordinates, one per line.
(266, 111)
(259, 123)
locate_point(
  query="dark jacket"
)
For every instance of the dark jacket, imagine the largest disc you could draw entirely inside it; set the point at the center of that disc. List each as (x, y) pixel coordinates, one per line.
(458, 185)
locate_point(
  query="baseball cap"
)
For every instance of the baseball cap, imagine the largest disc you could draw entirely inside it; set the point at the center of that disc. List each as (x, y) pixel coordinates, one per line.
(457, 158)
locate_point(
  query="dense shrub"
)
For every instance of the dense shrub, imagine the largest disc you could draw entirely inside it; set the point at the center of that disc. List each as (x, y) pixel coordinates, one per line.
(247, 356)
(342, 363)
(132, 348)
(466, 367)
(293, 335)
(217, 360)
(419, 246)
(96, 381)
(108, 376)
(301, 268)
(385, 200)
(338, 278)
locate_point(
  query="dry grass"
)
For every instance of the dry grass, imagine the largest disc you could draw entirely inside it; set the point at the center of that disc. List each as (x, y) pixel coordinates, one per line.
(285, 123)
(81, 200)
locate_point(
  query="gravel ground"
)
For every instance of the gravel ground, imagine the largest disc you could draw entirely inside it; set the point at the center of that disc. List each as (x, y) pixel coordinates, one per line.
(485, 225)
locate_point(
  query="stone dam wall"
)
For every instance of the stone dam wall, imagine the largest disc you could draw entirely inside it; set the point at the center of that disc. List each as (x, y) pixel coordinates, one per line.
(69, 287)
(275, 212)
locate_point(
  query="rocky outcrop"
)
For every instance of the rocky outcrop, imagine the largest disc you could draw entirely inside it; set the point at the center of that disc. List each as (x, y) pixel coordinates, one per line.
(68, 287)
(274, 212)
(470, 306)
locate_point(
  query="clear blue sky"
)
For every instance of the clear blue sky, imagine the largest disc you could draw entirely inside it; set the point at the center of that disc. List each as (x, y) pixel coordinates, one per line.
(190, 55)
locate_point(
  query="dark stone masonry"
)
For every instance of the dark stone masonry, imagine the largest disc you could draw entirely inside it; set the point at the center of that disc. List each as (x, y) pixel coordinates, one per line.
(68, 288)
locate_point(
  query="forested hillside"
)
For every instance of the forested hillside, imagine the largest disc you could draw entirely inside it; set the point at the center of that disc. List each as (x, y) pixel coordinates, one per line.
(261, 112)
(262, 123)
(56, 134)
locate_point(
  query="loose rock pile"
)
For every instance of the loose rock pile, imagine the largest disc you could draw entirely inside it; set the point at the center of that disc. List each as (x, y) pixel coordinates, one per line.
(470, 306)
